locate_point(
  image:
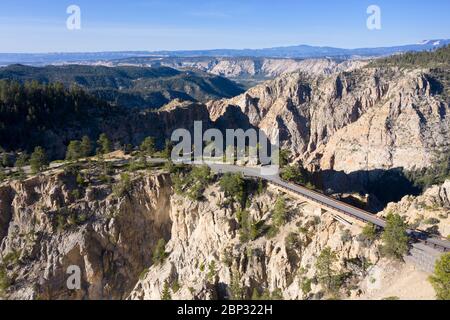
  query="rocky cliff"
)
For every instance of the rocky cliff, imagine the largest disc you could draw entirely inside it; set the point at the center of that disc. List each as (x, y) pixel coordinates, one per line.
(51, 222)
(110, 229)
(363, 120)
(266, 68)
(429, 211)
(208, 259)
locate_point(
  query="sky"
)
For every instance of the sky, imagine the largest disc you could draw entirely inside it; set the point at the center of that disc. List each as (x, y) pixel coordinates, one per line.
(119, 25)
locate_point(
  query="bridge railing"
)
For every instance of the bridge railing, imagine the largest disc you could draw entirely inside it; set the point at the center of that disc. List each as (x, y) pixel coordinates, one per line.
(418, 235)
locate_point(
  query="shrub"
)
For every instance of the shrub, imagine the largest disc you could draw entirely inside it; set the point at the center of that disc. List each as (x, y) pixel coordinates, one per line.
(305, 285)
(5, 281)
(346, 236)
(148, 146)
(369, 232)
(123, 187)
(292, 241)
(212, 272)
(76, 194)
(432, 221)
(249, 229)
(237, 292)
(143, 274)
(191, 182)
(176, 286)
(159, 253)
(391, 298)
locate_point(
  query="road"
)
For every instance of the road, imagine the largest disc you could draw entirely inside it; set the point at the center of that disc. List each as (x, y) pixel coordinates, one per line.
(312, 196)
(330, 203)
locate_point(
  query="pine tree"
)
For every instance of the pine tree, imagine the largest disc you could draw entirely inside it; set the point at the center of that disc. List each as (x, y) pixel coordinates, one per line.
(73, 150)
(159, 253)
(395, 238)
(104, 144)
(86, 147)
(165, 295)
(236, 290)
(326, 274)
(440, 280)
(148, 146)
(38, 160)
(21, 162)
(279, 212)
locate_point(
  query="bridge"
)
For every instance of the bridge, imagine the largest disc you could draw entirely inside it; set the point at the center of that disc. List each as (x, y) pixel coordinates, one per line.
(331, 204)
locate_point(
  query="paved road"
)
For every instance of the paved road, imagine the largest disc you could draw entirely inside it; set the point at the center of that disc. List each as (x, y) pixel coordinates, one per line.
(313, 196)
(331, 203)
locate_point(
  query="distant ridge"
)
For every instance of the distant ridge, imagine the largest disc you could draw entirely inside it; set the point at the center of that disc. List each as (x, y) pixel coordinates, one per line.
(299, 51)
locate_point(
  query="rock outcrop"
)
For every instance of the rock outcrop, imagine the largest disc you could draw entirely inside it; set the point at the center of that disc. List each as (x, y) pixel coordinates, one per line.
(50, 227)
(207, 254)
(429, 211)
(111, 229)
(362, 120)
(266, 68)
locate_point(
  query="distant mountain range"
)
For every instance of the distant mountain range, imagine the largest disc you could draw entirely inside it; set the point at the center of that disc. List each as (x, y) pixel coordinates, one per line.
(300, 51)
(306, 51)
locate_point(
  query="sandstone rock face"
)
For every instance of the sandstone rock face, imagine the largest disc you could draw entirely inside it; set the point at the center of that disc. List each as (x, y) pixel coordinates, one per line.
(429, 211)
(268, 68)
(206, 234)
(361, 120)
(110, 239)
(112, 236)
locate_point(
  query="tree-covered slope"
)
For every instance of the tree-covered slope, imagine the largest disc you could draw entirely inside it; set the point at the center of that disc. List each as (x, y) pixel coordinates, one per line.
(130, 86)
(51, 115)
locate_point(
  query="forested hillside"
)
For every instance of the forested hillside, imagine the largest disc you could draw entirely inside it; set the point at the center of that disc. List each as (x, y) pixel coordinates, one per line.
(30, 110)
(144, 88)
(438, 63)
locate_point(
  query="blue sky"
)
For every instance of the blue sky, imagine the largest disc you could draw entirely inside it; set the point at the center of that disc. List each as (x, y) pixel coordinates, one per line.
(111, 25)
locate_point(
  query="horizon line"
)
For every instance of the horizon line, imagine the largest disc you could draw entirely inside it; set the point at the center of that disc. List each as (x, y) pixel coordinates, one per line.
(421, 42)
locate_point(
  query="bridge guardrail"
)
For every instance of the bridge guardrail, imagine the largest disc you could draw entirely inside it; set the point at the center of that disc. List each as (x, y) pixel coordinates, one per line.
(429, 240)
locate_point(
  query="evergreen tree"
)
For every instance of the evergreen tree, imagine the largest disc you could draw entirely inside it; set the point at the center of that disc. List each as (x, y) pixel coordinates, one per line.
(2, 175)
(441, 277)
(73, 150)
(167, 152)
(21, 162)
(148, 146)
(279, 212)
(104, 144)
(236, 289)
(86, 147)
(233, 186)
(38, 160)
(166, 292)
(159, 253)
(395, 238)
(326, 274)
(5, 160)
